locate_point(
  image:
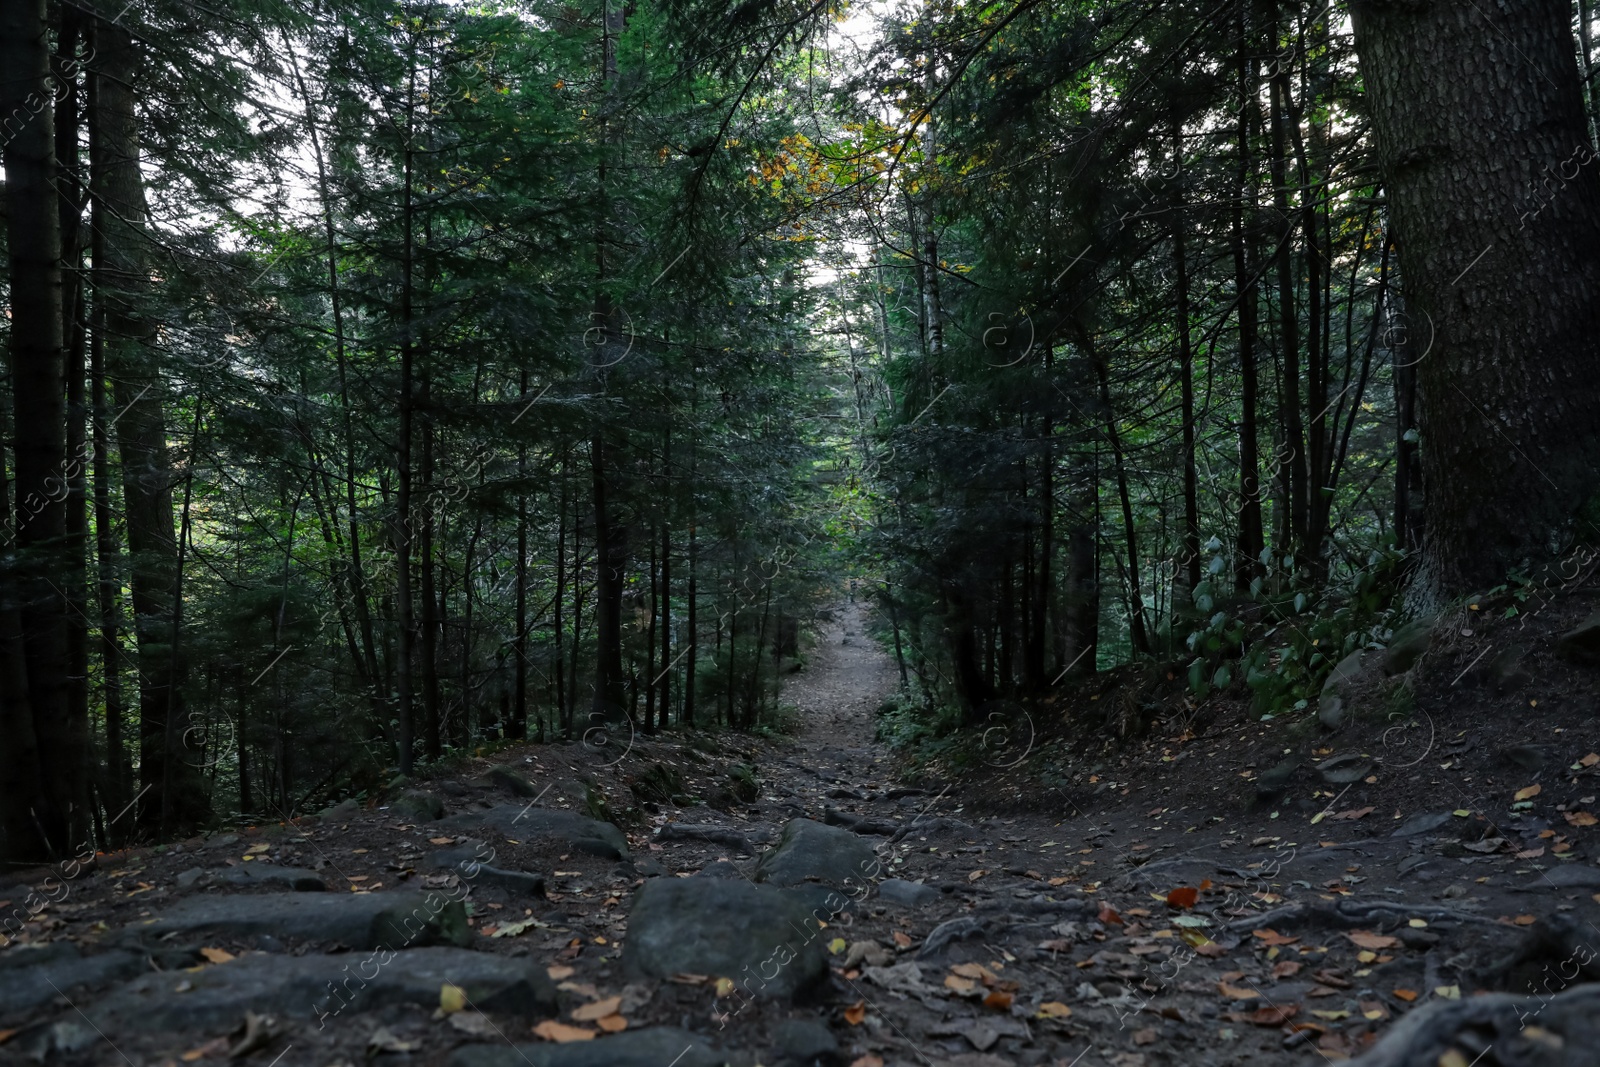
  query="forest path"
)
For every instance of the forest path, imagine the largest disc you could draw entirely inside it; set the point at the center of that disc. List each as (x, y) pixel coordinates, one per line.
(821, 912)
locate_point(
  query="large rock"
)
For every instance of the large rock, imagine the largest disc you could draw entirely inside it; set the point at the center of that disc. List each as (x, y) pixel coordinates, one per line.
(465, 860)
(316, 987)
(655, 1046)
(1582, 643)
(520, 822)
(32, 976)
(1331, 709)
(356, 920)
(270, 876)
(1407, 646)
(810, 851)
(763, 938)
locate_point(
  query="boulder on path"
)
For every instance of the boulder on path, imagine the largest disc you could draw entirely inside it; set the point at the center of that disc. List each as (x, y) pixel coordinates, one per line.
(270, 876)
(1582, 643)
(32, 976)
(418, 805)
(762, 937)
(655, 1046)
(315, 987)
(468, 859)
(1559, 1031)
(810, 851)
(521, 822)
(1422, 823)
(907, 894)
(356, 920)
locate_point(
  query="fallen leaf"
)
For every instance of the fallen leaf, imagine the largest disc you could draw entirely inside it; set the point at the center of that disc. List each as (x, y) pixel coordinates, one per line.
(1524, 920)
(1447, 992)
(612, 1024)
(724, 987)
(561, 1033)
(1368, 939)
(1211, 950)
(998, 1001)
(441, 840)
(451, 998)
(1054, 1009)
(588, 1013)
(855, 1013)
(838, 945)
(957, 984)
(1274, 1014)
(1235, 993)
(975, 875)
(1354, 813)
(474, 1024)
(384, 1039)
(869, 1060)
(1590, 760)
(219, 1044)
(1183, 897)
(256, 850)
(558, 971)
(1331, 1016)
(1272, 937)
(976, 971)
(216, 955)
(1453, 1058)
(1581, 818)
(901, 940)
(1530, 854)
(1530, 791)
(1407, 995)
(1109, 916)
(1286, 969)
(7, 1035)
(1147, 1036)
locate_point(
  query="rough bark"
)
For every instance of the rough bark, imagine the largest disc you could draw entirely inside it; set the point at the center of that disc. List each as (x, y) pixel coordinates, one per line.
(1494, 195)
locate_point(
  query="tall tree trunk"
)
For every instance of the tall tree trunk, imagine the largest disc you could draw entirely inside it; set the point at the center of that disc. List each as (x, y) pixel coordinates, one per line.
(132, 361)
(108, 584)
(1180, 266)
(605, 452)
(1252, 538)
(404, 617)
(1510, 401)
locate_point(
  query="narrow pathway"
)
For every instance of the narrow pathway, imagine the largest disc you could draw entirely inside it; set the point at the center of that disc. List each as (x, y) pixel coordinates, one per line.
(790, 902)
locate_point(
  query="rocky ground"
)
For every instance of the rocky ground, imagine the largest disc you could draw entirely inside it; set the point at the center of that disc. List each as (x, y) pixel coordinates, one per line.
(809, 901)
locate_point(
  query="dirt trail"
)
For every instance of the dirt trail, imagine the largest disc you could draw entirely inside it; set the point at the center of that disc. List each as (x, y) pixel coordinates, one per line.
(485, 918)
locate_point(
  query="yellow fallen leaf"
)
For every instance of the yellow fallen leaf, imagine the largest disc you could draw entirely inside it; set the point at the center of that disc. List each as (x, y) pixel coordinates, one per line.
(1366, 955)
(1448, 992)
(837, 945)
(1581, 818)
(589, 1013)
(216, 955)
(256, 850)
(1331, 1015)
(1054, 1009)
(451, 998)
(957, 984)
(1417, 924)
(1525, 920)
(1530, 791)
(1453, 1058)
(724, 987)
(561, 1033)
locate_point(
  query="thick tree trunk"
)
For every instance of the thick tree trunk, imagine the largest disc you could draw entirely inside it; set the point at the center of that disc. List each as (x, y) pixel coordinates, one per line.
(1472, 108)
(132, 362)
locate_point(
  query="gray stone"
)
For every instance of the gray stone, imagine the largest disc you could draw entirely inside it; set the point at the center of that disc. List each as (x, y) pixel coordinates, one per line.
(510, 780)
(188, 878)
(467, 859)
(356, 920)
(1407, 646)
(810, 851)
(520, 822)
(721, 868)
(424, 807)
(313, 987)
(1344, 769)
(1570, 876)
(1583, 642)
(761, 937)
(907, 894)
(654, 1046)
(803, 1041)
(343, 811)
(1272, 782)
(30, 977)
(267, 874)
(1422, 824)
(1331, 710)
